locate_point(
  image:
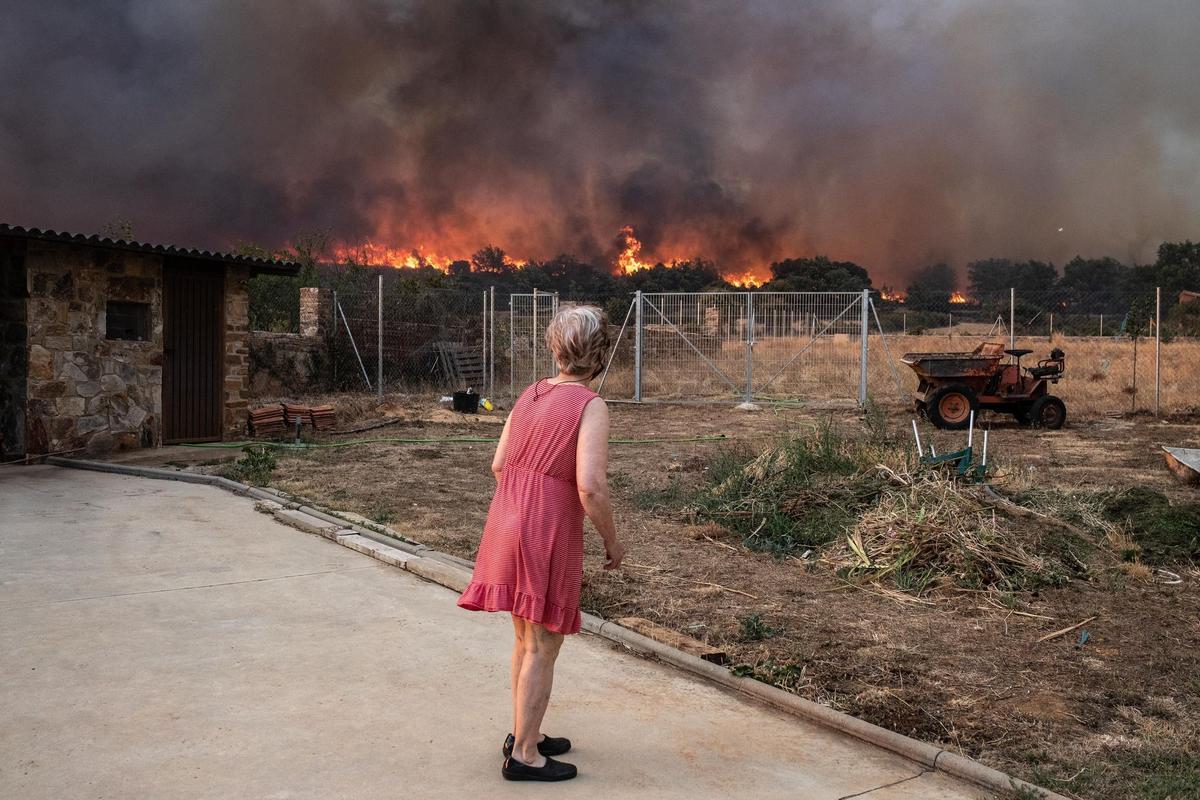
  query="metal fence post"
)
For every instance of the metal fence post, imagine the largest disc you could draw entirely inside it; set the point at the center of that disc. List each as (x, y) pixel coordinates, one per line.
(379, 341)
(1157, 345)
(862, 358)
(491, 337)
(483, 342)
(333, 310)
(1012, 318)
(637, 346)
(512, 349)
(749, 346)
(533, 337)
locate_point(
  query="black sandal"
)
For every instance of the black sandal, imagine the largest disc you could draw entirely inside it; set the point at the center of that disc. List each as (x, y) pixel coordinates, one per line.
(550, 746)
(552, 770)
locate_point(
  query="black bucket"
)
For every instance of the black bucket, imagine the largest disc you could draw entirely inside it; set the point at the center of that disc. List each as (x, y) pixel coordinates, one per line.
(466, 402)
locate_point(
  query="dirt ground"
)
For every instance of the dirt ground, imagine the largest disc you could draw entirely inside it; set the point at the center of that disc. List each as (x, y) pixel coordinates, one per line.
(1105, 719)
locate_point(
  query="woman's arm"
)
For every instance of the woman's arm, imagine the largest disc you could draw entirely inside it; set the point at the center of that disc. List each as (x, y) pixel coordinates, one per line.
(591, 478)
(498, 459)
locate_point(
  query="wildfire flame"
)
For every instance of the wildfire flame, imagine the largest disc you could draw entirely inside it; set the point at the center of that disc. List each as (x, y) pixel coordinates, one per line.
(379, 255)
(891, 297)
(958, 298)
(413, 258)
(628, 260)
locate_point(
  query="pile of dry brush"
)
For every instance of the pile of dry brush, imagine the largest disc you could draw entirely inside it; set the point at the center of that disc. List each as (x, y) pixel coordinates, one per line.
(876, 515)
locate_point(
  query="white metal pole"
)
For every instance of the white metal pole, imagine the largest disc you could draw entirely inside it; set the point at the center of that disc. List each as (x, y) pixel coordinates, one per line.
(862, 356)
(512, 349)
(492, 341)
(484, 340)
(534, 336)
(917, 436)
(749, 346)
(637, 346)
(1157, 345)
(1012, 318)
(379, 341)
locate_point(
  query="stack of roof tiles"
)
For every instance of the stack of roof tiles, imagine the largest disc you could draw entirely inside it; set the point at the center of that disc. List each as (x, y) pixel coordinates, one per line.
(267, 420)
(294, 411)
(281, 417)
(323, 417)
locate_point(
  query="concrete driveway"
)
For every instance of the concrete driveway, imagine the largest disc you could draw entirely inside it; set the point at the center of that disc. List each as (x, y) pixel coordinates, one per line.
(162, 640)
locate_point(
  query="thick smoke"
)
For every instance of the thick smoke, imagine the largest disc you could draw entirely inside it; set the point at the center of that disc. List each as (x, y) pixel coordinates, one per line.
(886, 132)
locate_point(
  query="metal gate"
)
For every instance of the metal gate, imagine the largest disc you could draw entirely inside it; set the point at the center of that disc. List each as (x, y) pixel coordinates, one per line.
(741, 345)
(529, 358)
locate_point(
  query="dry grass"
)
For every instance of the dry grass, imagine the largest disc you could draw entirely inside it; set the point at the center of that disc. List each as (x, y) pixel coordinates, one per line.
(1101, 376)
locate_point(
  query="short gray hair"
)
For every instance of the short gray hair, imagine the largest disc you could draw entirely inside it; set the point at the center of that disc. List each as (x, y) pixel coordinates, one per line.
(578, 338)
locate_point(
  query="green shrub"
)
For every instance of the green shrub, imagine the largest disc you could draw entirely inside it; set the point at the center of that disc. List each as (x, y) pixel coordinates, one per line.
(254, 468)
(754, 629)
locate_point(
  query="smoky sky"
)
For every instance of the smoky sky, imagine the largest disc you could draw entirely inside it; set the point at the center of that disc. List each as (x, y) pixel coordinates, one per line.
(891, 133)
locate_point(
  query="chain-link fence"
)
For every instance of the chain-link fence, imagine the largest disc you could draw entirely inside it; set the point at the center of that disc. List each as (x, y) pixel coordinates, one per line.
(404, 337)
(1131, 351)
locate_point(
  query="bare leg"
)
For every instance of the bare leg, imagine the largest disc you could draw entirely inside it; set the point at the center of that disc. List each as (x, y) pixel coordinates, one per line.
(533, 691)
(520, 630)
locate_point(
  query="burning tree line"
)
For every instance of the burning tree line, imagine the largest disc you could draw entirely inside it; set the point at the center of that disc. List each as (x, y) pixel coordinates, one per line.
(1084, 285)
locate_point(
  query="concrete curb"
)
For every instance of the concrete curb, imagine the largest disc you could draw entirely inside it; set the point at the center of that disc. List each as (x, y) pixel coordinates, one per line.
(455, 573)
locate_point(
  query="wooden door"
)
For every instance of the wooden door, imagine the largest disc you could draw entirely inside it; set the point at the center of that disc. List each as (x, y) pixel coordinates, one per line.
(193, 341)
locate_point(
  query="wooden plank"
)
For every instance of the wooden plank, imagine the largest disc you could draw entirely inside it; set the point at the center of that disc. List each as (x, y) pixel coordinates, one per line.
(675, 639)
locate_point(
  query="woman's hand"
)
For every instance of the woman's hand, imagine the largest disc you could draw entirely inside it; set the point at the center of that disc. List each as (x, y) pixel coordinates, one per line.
(615, 553)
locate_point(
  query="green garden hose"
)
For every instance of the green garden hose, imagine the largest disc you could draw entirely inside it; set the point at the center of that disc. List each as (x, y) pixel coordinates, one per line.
(449, 440)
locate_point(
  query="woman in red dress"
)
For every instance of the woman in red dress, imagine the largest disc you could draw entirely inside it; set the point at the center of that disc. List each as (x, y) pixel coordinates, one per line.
(551, 470)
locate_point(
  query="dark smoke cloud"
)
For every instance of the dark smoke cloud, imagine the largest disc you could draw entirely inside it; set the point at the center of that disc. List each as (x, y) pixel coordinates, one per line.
(886, 132)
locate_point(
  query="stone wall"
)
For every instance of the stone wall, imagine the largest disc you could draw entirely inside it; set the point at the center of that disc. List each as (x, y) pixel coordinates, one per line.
(85, 390)
(286, 365)
(13, 331)
(237, 349)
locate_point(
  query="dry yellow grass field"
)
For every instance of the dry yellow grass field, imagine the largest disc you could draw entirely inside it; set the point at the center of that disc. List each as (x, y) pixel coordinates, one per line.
(1103, 375)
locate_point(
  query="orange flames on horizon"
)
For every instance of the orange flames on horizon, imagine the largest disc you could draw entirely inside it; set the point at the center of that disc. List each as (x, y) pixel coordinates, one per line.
(891, 296)
(958, 298)
(628, 261)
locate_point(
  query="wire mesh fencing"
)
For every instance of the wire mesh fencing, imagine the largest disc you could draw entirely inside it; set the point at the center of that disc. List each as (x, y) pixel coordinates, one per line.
(406, 338)
(1126, 351)
(705, 346)
(528, 356)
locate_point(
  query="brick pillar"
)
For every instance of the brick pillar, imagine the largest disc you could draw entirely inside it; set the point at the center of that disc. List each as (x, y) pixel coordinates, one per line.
(314, 311)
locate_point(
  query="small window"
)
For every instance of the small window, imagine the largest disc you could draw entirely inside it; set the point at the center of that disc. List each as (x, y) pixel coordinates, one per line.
(129, 321)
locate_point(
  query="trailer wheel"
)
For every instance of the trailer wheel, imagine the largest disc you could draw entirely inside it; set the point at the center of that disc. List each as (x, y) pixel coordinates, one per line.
(1048, 412)
(950, 407)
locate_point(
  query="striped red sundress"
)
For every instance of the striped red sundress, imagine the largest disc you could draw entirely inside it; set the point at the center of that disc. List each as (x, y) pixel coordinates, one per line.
(530, 559)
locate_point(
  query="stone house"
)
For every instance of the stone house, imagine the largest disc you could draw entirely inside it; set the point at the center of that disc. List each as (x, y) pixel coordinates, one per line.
(110, 344)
